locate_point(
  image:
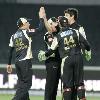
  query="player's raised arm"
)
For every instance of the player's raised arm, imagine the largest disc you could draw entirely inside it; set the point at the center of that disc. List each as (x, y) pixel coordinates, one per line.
(47, 24)
(41, 24)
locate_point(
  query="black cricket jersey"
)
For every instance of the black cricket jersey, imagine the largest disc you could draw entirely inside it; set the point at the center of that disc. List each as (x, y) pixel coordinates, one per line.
(69, 42)
(21, 42)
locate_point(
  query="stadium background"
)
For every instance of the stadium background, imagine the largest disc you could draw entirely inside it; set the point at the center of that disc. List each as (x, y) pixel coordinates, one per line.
(89, 17)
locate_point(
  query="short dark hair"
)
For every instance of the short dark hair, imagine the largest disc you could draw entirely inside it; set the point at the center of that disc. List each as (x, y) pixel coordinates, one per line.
(72, 11)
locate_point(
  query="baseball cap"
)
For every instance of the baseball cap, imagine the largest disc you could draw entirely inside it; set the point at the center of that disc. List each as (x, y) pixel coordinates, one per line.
(22, 21)
(63, 20)
(52, 19)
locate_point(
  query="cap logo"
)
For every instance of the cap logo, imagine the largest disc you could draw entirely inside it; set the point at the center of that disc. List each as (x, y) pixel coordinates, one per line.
(64, 20)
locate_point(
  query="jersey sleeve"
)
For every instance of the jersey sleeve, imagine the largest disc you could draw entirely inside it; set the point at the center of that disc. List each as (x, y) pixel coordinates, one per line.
(10, 51)
(11, 44)
(84, 43)
(82, 31)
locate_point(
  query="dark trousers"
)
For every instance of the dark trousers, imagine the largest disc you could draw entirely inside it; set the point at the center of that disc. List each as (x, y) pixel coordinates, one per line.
(72, 73)
(74, 93)
(24, 73)
(52, 79)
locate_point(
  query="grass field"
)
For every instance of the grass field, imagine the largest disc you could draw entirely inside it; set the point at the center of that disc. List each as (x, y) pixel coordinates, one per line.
(8, 97)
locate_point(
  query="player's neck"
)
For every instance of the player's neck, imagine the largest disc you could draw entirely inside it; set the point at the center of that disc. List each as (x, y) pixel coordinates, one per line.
(71, 22)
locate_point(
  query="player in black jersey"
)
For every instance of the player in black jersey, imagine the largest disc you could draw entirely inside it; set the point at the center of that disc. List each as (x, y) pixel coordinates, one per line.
(72, 15)
(21, 42)
(69, 42)
(52, 63)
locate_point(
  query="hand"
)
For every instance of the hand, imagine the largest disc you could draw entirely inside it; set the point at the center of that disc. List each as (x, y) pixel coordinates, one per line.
(88, 55)
(42, 13)
(41, 55)
(9, 68)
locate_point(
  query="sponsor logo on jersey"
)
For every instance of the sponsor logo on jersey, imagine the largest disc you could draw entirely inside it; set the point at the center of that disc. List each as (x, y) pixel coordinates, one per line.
(65, 33)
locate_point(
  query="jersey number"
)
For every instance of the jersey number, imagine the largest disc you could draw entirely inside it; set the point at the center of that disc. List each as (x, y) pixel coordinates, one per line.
(68, 41)
(18, 42)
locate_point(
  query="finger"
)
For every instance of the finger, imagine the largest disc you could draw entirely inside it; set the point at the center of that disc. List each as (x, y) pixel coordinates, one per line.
(8, 71)
(42, 8)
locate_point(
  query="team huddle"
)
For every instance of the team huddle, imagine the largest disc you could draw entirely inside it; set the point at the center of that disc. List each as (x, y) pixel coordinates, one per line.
(65, 46)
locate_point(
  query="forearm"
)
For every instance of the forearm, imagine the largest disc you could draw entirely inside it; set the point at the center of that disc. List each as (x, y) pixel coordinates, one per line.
(52, 48)
(84, 42)
(10, 55)
(41, 25)
(49, 52)
(49, 29)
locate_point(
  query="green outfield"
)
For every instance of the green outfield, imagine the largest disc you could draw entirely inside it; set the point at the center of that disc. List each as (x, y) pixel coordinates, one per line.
(8, 97)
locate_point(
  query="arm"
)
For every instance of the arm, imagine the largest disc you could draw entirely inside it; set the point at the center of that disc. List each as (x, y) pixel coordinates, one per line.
(54, 45)
(82, 32)
(41, 24)
(47, 25)
(42, 16)
(11, 48)
(10, 55)
(43, 55)
(86, 46)
(84, 43)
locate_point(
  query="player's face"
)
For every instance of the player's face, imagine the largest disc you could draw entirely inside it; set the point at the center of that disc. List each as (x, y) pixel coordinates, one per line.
(26, 25)
(70, 18)
(53, 26)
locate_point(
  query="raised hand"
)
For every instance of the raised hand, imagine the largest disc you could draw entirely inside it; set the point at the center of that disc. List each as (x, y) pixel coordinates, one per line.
(42, 13)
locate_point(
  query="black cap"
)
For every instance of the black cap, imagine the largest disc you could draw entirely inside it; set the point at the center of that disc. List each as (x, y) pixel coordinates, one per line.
(22, 21)
(63, 21)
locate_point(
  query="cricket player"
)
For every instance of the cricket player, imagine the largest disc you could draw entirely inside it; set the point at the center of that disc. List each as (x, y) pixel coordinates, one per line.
(72, 15)
(21, 41)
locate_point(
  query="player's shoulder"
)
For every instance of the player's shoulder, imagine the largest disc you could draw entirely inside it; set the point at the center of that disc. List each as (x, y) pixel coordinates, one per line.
(17, 34)
(18, 31)
(80, 26)
(76, 26)
(72, 30)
